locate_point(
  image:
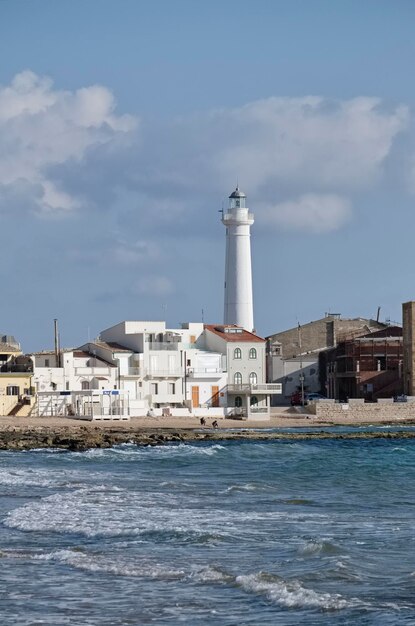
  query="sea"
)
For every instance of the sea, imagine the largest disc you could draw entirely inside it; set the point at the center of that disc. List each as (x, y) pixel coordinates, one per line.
(224, 533)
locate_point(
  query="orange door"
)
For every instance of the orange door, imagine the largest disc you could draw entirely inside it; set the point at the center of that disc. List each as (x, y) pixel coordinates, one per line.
(215, 395)
(195, 397)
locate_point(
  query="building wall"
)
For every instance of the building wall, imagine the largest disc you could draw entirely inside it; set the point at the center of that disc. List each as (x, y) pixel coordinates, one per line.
(246, 365)
(321, 334)
(408, 321)
(288, 372)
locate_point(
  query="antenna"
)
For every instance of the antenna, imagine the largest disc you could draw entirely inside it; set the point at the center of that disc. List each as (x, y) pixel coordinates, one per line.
(203, 316)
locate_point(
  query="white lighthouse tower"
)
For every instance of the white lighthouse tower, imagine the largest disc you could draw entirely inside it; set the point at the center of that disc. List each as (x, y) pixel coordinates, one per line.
(238, 272)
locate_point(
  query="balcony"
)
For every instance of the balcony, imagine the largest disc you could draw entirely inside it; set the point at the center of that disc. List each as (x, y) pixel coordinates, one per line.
(162, 345)
(156, 373)
(92, 371)
(204, 372)
(264, 388)
(232, 217)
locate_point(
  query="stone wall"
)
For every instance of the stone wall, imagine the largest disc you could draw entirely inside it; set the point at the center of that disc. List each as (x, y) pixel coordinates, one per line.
(355, 409)
(320, 334)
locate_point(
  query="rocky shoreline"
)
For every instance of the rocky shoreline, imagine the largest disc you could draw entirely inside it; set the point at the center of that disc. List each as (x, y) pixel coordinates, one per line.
(83, 438)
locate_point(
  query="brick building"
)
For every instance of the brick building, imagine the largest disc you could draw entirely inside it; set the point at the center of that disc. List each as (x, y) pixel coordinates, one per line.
(368, 367)
(296, 353)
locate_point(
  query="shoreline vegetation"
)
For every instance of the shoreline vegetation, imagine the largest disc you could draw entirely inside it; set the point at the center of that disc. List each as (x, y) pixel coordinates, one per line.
(76, 435)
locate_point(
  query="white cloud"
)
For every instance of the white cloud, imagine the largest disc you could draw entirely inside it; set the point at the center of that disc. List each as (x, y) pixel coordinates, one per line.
(72, 150)
(312, 213)
(41, 127)
(311, 140)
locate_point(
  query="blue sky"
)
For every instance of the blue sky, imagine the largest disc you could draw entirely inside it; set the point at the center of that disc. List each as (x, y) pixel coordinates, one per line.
(124, 124)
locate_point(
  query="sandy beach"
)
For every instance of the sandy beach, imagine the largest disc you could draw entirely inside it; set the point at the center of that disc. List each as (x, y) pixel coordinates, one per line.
(280, 420)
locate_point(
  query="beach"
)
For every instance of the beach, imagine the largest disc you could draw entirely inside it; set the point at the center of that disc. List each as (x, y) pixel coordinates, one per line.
(75, 434)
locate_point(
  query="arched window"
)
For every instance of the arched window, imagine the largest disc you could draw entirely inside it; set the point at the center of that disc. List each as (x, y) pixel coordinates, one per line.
(254, 400)
(85, 385)
(253, 378)
(238, 401)
(252, 353)
(237, 353)
(237, 378)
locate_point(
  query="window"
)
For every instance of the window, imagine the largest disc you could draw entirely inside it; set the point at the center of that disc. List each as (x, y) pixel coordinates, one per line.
(253, 378)
(237, 378)
(154, 389)
(172, 388)
(85, 384)
(67, 386)
(12, 390)
(252, 353)
(46, 362)
(238, 401)
(254, 400)
(237, 353)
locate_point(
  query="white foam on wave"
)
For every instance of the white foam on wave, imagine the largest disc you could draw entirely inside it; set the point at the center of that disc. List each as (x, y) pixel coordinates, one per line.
(318, 546)
(247, 487)
(139, 453)
(108, 511)
(96, 563)
(90, 562)
(289, 594)
(43, 478)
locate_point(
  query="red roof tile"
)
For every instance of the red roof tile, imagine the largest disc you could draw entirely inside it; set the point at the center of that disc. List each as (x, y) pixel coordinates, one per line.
(244, 335)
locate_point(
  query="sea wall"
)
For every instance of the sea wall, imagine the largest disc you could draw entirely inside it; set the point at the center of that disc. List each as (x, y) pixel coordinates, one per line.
(358, 409)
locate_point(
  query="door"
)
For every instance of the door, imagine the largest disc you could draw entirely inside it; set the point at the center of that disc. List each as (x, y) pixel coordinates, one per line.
(195, 397)
(215, 395)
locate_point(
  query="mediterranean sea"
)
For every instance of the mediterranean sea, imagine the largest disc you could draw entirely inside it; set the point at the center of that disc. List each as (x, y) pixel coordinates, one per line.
(237, 532)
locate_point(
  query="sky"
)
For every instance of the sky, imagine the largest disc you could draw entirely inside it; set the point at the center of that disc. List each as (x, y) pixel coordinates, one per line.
(126, 124)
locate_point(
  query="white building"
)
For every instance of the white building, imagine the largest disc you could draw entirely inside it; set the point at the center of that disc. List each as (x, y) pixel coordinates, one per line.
(238, 220)
(247, 392)
(75, 382)
(162, 368)
(187, 368)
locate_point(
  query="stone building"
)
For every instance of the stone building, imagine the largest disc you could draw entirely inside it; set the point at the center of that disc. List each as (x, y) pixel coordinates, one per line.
(295, 354)
(408, 328)
(368, 367)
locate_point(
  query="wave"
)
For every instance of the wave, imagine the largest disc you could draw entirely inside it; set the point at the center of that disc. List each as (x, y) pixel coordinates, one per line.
(97, 563)
(289, 594)
(138, 453)
(55, 478)
(113, 512)
(318, 546)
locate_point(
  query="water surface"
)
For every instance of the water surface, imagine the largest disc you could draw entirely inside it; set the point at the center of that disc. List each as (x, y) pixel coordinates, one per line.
(241, 532)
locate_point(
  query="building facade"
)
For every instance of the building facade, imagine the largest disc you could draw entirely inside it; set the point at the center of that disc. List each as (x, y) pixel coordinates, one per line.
(295, 357)
(368, 367)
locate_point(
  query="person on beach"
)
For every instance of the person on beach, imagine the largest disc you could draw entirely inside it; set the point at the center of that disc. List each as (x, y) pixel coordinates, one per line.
(215, 424)
(202, 421)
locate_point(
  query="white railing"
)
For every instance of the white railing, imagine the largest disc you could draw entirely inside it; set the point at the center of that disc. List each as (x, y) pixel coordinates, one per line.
(259, 388)
(162, 345)
(204, 371)
(92, 371)
(156, 373)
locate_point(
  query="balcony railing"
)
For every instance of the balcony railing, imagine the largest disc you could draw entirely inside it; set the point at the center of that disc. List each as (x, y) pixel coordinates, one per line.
(256, 389)
(205, 372)
(162, 345)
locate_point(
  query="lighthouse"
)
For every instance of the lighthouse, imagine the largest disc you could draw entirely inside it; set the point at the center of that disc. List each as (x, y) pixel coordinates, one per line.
(238, 272)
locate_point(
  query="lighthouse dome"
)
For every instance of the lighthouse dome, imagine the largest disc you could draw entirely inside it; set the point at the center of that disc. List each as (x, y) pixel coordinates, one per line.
(237, 194)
